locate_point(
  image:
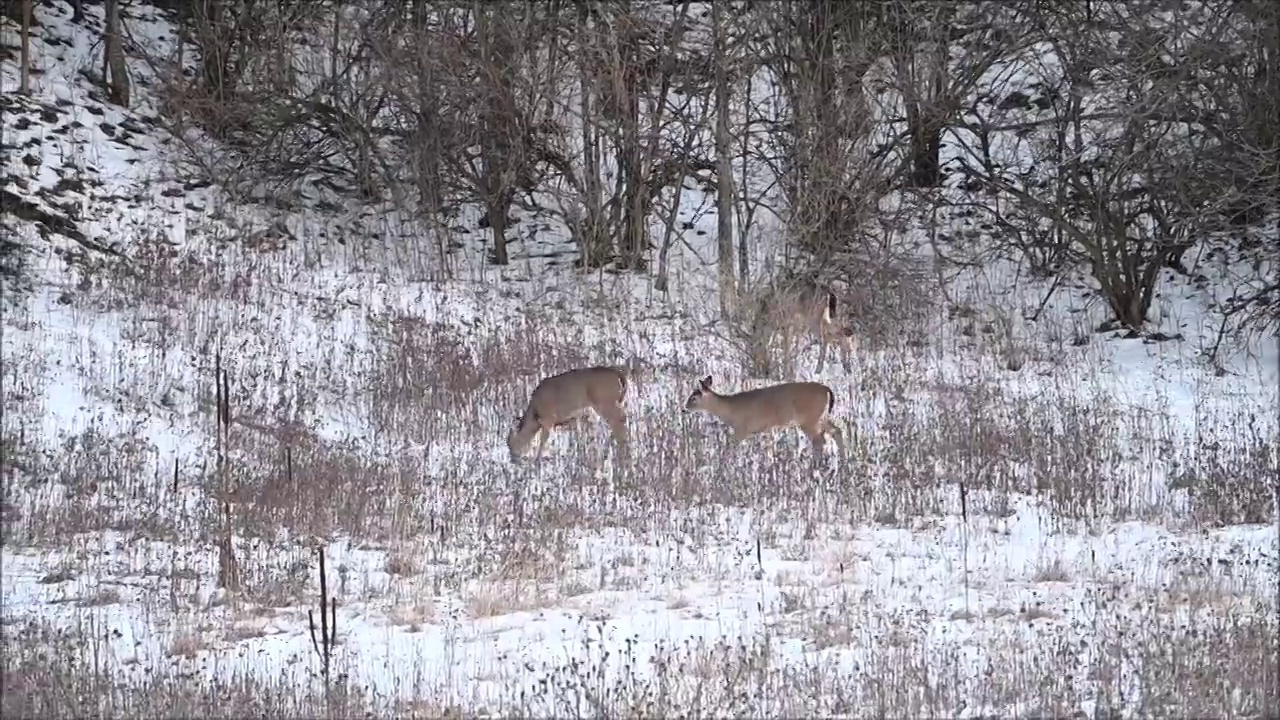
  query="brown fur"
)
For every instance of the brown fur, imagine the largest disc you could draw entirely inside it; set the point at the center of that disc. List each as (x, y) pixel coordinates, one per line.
(813, 311)
(806, 405)
(564, 399)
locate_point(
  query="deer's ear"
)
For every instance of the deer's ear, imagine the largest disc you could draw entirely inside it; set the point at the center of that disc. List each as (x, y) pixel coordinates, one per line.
(705, 383)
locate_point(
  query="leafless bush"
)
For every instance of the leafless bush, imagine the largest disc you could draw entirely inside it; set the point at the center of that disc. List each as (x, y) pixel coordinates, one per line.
(882, 297)
(1229, 484)
(1117, 155)
(1138, 661)
(827, 165)
(1156, 669)
(767, 337)
(15, 278)
(292, 93)
(50, 672)
(90, 482)
(887, 298)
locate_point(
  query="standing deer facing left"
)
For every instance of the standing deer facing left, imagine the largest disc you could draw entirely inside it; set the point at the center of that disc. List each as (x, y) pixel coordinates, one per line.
(806, 405)
(564, 399)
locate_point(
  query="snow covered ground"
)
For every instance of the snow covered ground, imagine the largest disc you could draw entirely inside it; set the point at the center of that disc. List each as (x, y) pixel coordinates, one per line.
(1094, 532)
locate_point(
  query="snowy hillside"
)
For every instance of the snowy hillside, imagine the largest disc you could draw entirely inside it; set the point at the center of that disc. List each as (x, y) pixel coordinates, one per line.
(1033, 519)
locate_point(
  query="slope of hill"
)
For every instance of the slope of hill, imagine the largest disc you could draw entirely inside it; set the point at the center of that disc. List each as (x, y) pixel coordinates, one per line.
(1093, 532)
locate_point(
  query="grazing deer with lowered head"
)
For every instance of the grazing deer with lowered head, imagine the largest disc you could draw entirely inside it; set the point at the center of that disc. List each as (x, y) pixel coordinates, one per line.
(812, 310)
(564, 399)
(806, 405)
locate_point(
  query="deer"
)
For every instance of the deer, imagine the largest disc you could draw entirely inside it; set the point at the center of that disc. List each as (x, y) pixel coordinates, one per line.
(562, 400)
(813, 310)
(806, 405)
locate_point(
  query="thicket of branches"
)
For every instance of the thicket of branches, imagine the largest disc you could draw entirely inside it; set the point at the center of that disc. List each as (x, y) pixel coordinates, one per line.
(1108, 138)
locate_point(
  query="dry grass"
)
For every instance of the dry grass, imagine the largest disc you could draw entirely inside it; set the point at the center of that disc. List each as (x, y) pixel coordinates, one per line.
(412, 615)
(493, 599)
(364, 416)
(427, 478)
(1053, 571)
(903, 675)
(101, 596)
(187, 642)
(1223, 666)
(56, 673)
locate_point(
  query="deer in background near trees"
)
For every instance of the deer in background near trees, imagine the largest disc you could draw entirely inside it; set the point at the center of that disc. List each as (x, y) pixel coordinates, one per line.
(808, 309)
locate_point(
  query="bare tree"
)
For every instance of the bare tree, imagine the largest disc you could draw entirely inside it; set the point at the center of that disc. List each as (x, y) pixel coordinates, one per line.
(1104, 150)
(687, 142)
(632, 61)
(622, 116)
(24, 85)
(824, 151)
(939, 52)
(499, 124)
(919, 42)
(471, 89)
(415, 79)
(1235, 90)
(724, 161)
(216, 32)
(591, 227)
(113, 56)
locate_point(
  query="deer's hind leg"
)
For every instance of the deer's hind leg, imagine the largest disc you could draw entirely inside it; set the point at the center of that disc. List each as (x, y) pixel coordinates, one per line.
(829, 426)
(815, 434)
(616, 418)
(847, 345)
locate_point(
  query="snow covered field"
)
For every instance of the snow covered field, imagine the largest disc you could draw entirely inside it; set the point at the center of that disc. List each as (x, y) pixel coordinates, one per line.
(1093, 533)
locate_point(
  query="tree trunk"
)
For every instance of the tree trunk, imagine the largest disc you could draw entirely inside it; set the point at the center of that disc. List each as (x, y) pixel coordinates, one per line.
(496, 213)
(922, 80)
(724, 165)
(497, 155)
(635, 212)
(823, 171)
(214, 49)
(113, 54)
(662, 280)
(748, 205)
(632, 164)
(596, 246)
(926, 148)
(334, 47)
(25, 84)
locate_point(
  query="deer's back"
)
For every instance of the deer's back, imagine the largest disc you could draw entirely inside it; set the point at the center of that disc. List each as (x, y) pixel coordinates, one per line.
(570, 392)
(781, 404)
